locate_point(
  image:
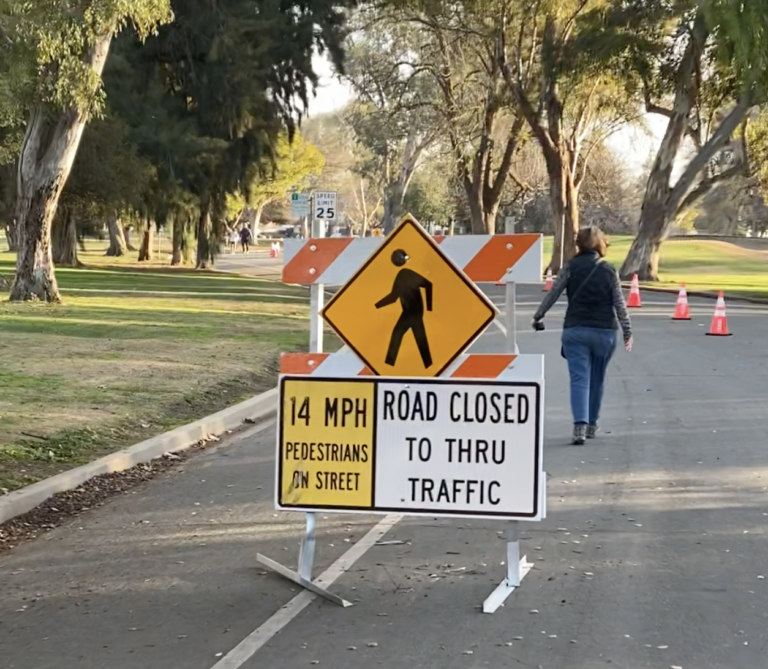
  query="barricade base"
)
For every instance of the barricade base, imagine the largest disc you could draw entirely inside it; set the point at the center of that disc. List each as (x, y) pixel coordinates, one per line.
(506, 588)
(303, 582)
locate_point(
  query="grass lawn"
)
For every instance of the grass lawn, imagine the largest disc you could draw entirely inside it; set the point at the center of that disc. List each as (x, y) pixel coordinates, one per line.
(132, 353)
(702, 264)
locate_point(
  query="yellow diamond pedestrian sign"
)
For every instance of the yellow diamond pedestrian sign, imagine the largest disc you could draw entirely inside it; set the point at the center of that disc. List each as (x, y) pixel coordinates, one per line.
(409, 311)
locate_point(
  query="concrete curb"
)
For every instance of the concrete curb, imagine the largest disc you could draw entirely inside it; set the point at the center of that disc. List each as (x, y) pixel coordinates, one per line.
(25, 499)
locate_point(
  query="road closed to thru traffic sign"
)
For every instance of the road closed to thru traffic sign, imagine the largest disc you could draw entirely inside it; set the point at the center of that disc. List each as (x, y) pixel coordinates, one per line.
(426, 447)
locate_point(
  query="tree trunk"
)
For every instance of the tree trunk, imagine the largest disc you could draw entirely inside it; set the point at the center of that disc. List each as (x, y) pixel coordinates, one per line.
(564, 200)
(485, 185)
(64, 240)
(205, 243)
(128, 245)
(45, 161)
(393, 207)
(186, 246)
(656, 213)
(489, 218)
(561, 163)
(178, 240)
(117, 243)
(663, 203)
(145, 251)
(256, 220)
(643, 256)
(398, 188)
(475, 204)
(11, 236)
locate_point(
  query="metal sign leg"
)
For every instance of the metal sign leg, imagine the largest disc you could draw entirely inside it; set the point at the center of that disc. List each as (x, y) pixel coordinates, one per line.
(517, 569)
(303, 576)
(511, 317)
(307, 549)
(316, 301)
(303, 582)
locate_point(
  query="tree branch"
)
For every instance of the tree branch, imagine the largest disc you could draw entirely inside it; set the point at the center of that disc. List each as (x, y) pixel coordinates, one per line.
(723, 133)
(571, 21)
(522, 185)
(526, 108)
(650, 106)
(706, 185)
(506, 161)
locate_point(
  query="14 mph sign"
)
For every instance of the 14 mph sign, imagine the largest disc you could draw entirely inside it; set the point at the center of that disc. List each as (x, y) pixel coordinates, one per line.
(430, 447)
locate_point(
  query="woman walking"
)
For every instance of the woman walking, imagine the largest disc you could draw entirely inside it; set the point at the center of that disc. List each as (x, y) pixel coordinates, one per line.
(595, 303)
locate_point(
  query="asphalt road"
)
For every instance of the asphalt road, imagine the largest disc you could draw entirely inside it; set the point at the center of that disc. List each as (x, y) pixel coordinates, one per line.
(257, 263)
(654, 553)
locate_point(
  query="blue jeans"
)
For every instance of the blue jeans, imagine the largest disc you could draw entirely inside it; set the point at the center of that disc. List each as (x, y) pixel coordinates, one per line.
(588, 351)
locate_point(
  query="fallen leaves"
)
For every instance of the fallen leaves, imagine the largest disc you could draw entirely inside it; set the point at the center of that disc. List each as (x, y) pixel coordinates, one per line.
(54, 511)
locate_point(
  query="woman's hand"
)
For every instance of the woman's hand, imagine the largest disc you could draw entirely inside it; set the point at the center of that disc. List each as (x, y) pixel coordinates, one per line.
(628, 344)
(538, 326)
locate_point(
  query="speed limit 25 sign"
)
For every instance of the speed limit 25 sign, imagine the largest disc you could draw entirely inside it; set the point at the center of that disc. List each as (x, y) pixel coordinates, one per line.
(325, 205)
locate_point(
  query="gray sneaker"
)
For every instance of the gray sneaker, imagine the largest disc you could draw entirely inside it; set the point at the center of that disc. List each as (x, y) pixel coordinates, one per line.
(579, 435)
(592, 431)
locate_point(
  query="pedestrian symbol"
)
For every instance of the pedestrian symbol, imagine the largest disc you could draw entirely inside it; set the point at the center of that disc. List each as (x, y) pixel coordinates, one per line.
(407, 289)
(430, 315)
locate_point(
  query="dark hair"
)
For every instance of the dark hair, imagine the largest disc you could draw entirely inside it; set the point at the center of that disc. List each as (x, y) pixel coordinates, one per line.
(591, 238)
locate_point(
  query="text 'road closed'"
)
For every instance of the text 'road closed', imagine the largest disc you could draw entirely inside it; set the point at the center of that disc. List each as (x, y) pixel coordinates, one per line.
(425, 447)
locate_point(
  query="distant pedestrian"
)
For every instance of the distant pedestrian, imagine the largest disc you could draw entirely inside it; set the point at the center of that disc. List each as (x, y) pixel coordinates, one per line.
(234, 239)
(245, 238)
(596, 309)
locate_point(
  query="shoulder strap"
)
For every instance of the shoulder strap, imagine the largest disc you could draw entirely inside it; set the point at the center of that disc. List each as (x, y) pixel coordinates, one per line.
(586, 281)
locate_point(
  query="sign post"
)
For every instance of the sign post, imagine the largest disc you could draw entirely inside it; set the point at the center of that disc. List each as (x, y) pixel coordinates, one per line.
(516, 568)
(316, 300)
(303, 576)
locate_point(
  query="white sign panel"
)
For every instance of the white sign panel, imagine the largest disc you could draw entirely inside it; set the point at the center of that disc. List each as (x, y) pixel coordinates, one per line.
(428, 447)
(299, 205)
(325, 206)
(458, 449)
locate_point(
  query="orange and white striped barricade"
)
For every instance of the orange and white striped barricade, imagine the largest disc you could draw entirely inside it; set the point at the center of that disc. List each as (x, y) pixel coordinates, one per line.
(402, 420)
(333, 261)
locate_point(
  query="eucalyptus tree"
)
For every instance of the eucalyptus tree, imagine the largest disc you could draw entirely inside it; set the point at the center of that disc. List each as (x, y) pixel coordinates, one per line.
(64, 45)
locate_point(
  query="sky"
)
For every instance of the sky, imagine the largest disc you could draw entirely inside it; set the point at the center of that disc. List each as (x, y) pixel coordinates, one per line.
(631, 144)
(332, 94)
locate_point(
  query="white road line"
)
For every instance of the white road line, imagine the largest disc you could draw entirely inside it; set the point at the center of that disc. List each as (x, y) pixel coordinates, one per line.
(248, 647)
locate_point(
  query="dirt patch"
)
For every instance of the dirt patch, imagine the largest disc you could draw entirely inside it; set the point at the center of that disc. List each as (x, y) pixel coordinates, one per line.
(91, 495)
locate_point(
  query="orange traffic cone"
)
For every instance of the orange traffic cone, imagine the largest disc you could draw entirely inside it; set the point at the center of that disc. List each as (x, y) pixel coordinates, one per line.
(719, 327)
(549, 281)
(682, 310)
(634, 300)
